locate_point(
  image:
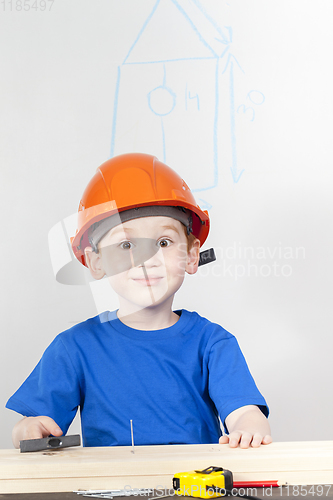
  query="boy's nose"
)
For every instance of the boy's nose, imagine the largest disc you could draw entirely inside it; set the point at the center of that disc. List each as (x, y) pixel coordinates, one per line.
(153, 260)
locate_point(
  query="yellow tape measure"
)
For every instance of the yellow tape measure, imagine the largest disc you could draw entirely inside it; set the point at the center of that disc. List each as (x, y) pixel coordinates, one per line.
(212, 482)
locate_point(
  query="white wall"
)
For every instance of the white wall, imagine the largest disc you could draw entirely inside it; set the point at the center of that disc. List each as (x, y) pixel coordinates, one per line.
(236, 96)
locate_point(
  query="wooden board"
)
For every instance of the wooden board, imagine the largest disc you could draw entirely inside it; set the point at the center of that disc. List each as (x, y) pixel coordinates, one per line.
(153, 466)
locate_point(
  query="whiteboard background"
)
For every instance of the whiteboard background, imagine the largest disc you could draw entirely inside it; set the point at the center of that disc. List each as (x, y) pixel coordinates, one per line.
(259, 140)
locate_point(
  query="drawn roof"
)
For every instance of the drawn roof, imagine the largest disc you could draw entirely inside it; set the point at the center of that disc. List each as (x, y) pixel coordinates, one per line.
(191, 35)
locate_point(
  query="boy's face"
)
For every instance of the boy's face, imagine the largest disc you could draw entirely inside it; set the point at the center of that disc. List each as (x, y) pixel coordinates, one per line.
(145, 260)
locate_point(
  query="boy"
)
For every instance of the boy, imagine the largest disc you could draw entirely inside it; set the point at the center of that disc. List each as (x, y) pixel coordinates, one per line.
(173, 373)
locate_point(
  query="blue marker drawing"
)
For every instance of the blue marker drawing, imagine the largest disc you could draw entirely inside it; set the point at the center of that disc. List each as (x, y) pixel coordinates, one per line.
(189, 96)
(234, 170)
(175, 98)
(161, 101)
(168, 92)
(256, 97)
(244, 109)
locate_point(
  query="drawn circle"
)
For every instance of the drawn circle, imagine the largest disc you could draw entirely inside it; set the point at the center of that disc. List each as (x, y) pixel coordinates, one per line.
(256, 97)
(161, 100)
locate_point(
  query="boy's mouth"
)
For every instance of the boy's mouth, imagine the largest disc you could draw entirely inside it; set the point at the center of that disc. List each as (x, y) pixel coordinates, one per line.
(149, 280)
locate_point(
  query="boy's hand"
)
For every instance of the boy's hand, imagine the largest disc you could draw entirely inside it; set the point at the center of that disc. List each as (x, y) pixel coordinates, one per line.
(245, 439)
(247, 426)
(34, 428)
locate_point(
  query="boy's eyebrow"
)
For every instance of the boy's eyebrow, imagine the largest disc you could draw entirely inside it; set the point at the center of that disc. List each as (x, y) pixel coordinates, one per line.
(122, 229)
(174, 228)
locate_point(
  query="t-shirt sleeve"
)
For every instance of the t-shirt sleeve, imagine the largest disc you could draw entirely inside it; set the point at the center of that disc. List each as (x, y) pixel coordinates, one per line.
(231, 384)
(52, 389)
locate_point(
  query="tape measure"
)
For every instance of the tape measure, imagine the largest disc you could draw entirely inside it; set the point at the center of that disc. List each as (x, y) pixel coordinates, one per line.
(212, 482)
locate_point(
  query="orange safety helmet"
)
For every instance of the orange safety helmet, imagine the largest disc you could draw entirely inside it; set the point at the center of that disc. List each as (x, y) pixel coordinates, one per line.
(131, 181)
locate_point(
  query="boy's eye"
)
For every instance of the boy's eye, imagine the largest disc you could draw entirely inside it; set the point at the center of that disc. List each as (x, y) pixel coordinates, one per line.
(164, 243)
(126, 245)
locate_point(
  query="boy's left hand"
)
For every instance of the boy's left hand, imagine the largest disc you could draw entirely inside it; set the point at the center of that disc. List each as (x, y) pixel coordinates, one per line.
(245, 439)
(247, 426)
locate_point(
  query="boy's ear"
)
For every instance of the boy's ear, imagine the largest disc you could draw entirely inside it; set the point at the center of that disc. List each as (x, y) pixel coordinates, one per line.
(94, 263)
(193, 256)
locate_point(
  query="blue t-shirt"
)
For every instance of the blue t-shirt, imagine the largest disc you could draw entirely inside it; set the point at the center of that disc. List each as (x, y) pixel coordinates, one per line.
(172, 383)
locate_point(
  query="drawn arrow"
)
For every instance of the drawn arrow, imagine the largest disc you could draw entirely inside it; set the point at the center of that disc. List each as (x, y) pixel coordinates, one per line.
(234, 169)
(231, 62)
(232, 59)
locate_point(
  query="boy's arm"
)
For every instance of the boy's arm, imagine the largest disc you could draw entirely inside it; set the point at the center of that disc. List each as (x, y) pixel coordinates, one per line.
(247, 426)
(34, 428)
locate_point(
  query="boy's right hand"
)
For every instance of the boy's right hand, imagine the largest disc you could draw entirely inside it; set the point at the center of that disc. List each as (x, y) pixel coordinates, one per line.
(34, 428)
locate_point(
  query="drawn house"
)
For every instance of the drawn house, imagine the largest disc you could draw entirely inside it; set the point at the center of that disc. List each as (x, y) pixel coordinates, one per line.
(167, 93)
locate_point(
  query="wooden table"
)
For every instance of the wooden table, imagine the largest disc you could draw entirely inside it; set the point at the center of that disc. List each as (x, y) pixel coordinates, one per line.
(282, 494)
(71, 469)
